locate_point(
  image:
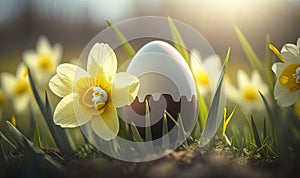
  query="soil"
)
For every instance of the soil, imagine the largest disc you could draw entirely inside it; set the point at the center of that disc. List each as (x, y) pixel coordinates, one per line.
(218, 161)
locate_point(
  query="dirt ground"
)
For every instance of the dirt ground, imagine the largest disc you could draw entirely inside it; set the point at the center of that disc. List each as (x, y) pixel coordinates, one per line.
(200, 162)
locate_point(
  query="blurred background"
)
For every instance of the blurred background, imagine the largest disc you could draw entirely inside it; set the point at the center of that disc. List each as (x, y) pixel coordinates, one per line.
(73, 23)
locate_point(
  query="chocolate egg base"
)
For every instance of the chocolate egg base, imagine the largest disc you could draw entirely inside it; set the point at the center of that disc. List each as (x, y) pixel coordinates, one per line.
(136, 113)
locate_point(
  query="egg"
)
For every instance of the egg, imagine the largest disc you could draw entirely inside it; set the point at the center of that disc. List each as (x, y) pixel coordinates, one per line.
(167, 84)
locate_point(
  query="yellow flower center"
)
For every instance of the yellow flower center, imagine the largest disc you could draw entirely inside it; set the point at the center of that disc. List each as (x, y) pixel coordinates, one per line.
(250, 94)
(2, 98)
(290, 77)
(202, 79)
(21, 86)
(91, 95)
(45, 63)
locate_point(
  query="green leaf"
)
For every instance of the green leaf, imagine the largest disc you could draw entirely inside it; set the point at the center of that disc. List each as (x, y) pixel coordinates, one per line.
(179, 43)
(213, 120)
(36, 137)
(165, 138)
(128, 48)
(148, 133)
(265, 129)
(137, 137)
(255, 133)
(36, 163)
(3, 137)
(249, 52)
(59, 135)
(297, 13)
(203, 113)
(268, 64)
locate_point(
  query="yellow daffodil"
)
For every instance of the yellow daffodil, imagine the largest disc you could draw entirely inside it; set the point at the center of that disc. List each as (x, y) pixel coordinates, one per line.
(95, 94)
(246, 94)
(17, 87)
(44, 60)
(287, 86)
(203, 80)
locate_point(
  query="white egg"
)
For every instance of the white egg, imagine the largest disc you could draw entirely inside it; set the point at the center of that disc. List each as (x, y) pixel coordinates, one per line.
(166, 81)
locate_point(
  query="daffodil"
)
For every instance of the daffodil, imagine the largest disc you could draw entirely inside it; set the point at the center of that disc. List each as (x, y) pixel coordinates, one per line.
(201, 69)
(44, 60)
(17, 87)
(287, 86)
(246, 94)
(93, 95)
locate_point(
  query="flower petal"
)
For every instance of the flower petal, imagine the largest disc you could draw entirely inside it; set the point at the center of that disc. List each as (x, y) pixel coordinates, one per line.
(288, 99)
(64, 114)
(242, 79)
(125, 89)
(103, 58)
(278, 67)
(8, 82)
(21, 71)
(21, 102)
(106, 126)
(30, 58)
(56, 54)
(43, 45)
(69, 73)
(58, 87)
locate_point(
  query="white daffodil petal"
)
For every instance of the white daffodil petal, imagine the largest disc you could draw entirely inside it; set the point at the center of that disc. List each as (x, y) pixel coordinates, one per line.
(106, 126)
(64, 113)
(288, 99)
(69, 73)
(290, 48)
(279, 91)
(56, 54)
(125, 89)
(8, 82)
(43, 45)
(58, 87)
(256, 78)
(30, 57)
(232, 92)
(289, 57)
(102, 57)
(242, 79)
(21, 71)
(278, 67)
(21, 102)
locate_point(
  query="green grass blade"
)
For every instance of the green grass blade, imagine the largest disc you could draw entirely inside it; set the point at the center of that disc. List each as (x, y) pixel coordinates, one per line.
(165, 138)
(265, 129)
(268, 64)
(138, 138)
(255, 133)
(203, 112)
(2, 136)
(179, 43)
(32, 154)
(37, 137)
(212, 123)
(57, 132)
(128, 48)
(249, 52)
(136, 135)
(297, 13)
(148, 134)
